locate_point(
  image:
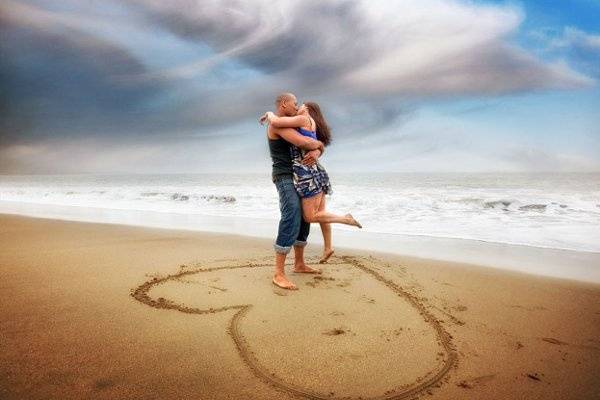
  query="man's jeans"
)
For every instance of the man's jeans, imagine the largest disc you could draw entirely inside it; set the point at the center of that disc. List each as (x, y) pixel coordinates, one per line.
(293, 230)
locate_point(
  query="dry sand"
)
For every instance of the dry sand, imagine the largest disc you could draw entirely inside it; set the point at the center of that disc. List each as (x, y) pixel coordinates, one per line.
(101, 311)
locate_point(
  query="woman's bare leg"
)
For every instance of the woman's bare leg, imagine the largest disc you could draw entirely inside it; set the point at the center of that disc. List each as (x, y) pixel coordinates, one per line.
(299, 264)
(326, 230)
(310, 210)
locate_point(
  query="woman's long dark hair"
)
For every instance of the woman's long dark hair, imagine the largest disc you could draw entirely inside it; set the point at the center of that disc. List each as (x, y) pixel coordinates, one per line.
(323, 131)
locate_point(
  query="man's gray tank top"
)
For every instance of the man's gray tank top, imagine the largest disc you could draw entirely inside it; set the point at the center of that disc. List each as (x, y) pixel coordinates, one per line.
(281, 156)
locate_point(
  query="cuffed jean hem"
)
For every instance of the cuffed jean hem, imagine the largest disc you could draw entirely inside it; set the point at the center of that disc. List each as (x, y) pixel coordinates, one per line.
(282, 249)
(300, 243)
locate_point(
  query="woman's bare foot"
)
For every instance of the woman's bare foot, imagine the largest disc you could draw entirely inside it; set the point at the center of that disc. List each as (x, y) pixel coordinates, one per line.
(283, 282)
(326, 254)
(305, 269)
(353, 221)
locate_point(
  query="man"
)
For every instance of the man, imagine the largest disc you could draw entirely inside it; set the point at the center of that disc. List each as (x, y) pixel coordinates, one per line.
(293, 230)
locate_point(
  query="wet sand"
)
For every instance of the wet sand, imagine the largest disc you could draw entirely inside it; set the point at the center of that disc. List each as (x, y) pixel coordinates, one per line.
(112, 311)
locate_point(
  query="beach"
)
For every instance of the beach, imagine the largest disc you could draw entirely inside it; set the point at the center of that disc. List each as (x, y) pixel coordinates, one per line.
(93, 310)
(156, 157)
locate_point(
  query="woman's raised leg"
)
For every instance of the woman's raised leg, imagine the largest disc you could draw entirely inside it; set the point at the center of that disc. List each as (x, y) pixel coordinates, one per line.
(310, 210)
(326, 230)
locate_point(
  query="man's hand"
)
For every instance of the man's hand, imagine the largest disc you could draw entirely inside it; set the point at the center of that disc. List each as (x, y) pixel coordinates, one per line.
(311, 157)
(266, 118)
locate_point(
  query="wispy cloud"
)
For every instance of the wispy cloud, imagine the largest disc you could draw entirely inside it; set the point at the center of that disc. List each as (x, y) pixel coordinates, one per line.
(355, 51)
(582, 49)
(417, 48)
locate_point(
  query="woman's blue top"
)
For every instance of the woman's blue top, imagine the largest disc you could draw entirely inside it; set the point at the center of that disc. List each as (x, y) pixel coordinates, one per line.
(306, 132)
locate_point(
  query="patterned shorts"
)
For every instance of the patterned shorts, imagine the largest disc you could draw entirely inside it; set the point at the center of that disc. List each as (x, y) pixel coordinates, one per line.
(308, 180)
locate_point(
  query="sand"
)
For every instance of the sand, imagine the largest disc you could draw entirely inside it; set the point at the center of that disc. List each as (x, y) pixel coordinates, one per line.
(101, 311)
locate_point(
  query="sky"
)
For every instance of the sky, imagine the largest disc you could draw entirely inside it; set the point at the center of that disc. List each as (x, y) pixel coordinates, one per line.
(151, 86)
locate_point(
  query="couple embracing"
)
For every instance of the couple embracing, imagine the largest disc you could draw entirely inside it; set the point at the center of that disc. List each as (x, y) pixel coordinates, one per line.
(297, 138)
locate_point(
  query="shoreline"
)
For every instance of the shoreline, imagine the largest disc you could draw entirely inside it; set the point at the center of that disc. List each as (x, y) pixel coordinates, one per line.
(574, 265)
(32, 209)
(94, 310)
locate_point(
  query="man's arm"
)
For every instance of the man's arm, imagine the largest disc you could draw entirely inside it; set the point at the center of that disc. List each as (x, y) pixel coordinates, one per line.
(275, 121)
(289, 122)
(292, 136)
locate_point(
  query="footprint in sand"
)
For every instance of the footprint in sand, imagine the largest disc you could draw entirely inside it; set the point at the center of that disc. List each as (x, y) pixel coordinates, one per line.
(331, 322)
(553, 341)
(335, 332)
(473, 382)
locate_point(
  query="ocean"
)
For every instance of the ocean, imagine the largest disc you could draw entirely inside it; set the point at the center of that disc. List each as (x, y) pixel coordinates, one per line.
(560, 211)
(542, 224)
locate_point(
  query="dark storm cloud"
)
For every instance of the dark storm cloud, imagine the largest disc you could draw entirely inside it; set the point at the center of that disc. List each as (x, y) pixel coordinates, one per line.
(365, 61)
(59, 81)
(300, 37)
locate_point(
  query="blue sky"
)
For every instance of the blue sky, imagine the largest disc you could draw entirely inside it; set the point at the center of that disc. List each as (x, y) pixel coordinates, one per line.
(431, 85)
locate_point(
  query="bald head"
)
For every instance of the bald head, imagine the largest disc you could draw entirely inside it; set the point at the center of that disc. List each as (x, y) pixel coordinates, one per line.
(286, 104)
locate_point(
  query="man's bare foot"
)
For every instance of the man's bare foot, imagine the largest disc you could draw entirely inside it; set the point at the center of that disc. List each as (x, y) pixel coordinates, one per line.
(326, 255)
(305, 269)
(353, 221)
(283, 282)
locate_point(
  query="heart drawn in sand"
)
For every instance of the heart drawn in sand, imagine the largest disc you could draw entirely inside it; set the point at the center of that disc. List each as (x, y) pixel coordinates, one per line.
(356, 333)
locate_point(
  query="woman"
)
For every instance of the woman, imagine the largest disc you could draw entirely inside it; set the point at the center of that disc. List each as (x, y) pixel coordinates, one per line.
(312, 182)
